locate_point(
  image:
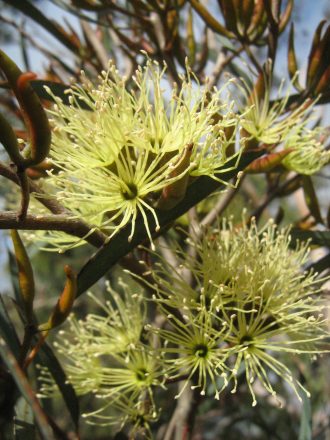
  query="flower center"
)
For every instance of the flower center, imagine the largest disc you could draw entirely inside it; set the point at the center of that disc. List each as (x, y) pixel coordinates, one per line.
(201, 350)
(246, 340)
(130, 192)
(141, 374)
(154, 142)
(140, 420)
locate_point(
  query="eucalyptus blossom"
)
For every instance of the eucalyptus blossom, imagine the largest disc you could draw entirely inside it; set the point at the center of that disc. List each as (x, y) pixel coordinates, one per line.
(120, 146)
(308, 153)
(248, 302)
(270, 120)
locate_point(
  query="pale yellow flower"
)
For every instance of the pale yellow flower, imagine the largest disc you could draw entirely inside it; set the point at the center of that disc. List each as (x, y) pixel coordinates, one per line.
(115, 160)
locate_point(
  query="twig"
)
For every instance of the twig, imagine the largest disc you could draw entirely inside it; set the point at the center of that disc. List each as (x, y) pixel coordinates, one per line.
(191, 416)
(27, 37)
(21, 380)
(194, 231)
(94, 41)
(75, 227)
(176, 426)
(272, 10)
(25, 194)
(39, 194)
(63, 223)
(252, 58)
(29, 332)
(272, 195)
(221, 62)
(167, 253)
(35, 350)
(221, 206)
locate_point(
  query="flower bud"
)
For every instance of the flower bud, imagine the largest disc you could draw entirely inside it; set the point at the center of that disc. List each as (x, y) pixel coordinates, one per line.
(65, 302)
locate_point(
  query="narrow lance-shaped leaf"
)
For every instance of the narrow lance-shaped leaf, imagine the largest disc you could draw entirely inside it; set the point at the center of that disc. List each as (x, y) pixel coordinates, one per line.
(258, 92)
(245, 10)
(7, 329)
(58, 90)
(209, 19)
(267, 163)
(314, 55)
(9, 140)
(256, 19)
(25, 275)
(285, 17)
(292, 60)
(324, 82)
(191, 43)
(26, 390)
(305, 430)
(59, 314)
(311, 198)
(35, 119)
(65, 302)
(320, 265)
(34, 115)
(320, 60)
(47, 358)
(317, 238)
(229, 12)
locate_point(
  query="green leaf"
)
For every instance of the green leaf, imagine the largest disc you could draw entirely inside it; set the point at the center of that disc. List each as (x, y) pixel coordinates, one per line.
(7, 329)
(209, 19)
(24, 428)
(318, 238)
(47, 358)
(27, 392)
(311, 198)
(320, 265)
(13, 270)
(118, 247)
(305, 431)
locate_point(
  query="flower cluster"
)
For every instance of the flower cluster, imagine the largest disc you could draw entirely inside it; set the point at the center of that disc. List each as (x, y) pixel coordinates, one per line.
(118, 149)
(124, 150)
(104, 356)
(308, 155)
(247, 303)
(272, 122)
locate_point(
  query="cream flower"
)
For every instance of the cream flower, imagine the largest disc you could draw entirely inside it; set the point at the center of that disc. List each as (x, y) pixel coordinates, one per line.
(269, 121)
(258, 301)
(137, 414)
(308, 155)
(192, 348)
(116, 160)
(103, 356)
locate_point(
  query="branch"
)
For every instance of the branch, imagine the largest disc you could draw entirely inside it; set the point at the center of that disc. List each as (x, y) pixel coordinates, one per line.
(51, 204)
(76, 227)
(273, 194)
(61, 221)
(220, 206)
